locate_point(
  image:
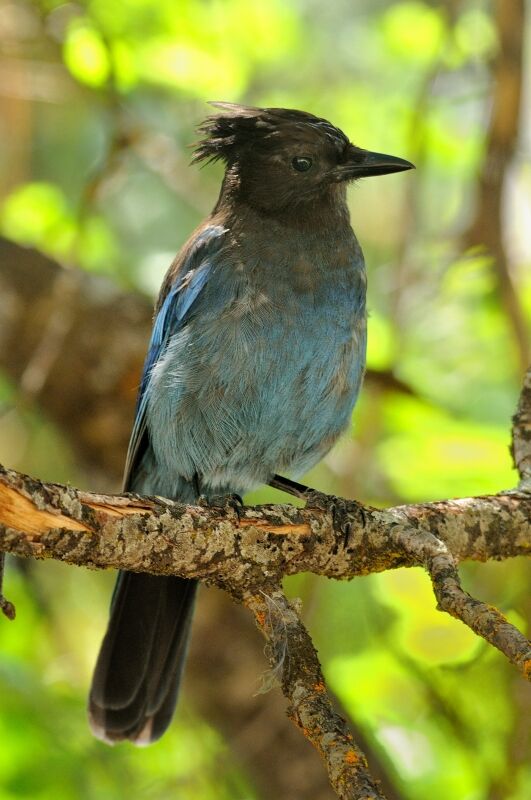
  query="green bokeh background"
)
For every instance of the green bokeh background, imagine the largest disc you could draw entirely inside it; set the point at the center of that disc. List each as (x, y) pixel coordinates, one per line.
(98, 105)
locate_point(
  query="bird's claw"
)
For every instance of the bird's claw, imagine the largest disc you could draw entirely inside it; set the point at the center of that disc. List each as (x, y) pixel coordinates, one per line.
(341, 511)
(222, 501)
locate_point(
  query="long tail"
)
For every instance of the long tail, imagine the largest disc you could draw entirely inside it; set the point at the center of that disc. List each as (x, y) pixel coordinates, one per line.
(139, 668)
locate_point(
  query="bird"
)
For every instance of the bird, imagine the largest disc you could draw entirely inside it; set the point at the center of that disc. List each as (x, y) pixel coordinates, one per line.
(255, 363)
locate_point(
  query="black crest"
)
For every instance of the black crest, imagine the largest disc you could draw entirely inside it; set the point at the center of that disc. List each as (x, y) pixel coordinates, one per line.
(224, 134)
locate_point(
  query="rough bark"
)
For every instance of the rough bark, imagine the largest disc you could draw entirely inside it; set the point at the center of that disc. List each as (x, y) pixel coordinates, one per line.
(247, 547)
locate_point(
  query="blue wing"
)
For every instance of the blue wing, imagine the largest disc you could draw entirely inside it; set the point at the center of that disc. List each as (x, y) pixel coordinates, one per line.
(170, 318)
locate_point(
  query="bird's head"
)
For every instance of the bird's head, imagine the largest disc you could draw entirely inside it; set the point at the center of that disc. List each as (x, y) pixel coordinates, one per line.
(279, 158)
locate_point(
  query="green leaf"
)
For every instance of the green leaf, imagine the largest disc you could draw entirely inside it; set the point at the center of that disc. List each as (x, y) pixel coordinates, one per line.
(423, 632)
(379, 342)
(475, 33)
(86, 55)
(37, 214)
(430, 455)
(413, 31)
(193, 68)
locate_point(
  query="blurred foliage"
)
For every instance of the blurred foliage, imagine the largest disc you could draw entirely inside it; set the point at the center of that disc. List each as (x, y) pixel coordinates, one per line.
(98, 105)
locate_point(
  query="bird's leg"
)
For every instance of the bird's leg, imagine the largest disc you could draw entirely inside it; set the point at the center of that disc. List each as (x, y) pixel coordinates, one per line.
(6, 606)
(290, 487)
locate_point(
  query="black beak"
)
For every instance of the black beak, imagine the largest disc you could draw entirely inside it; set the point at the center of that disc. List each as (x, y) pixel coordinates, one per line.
(363, 163)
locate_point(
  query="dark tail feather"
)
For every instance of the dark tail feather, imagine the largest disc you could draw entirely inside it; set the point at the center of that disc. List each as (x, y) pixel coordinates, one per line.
(136, 680)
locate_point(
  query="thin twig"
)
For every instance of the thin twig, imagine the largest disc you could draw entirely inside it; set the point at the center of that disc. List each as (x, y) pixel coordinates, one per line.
(6, 607)
(521, 435)
(485, 620)
(59, 321)
(293, 656)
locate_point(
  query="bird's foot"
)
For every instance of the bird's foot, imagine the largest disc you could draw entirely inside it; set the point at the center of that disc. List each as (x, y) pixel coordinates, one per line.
(232, 502)
(341, 511)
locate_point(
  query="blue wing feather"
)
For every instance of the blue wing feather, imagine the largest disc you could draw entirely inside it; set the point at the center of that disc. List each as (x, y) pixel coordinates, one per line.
(170, 318)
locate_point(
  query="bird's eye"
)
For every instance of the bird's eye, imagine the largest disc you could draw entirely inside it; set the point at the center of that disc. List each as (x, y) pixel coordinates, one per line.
(301, 163)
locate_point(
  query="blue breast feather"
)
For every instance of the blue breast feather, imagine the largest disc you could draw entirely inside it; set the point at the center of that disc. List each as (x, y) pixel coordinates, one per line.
(249, 374)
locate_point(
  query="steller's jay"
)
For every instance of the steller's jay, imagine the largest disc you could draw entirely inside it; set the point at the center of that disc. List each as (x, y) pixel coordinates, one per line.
(255, 362)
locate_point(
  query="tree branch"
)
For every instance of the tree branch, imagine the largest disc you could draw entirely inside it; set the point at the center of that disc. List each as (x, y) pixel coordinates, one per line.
(294, 659)
(245, 548)
(521, 435)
